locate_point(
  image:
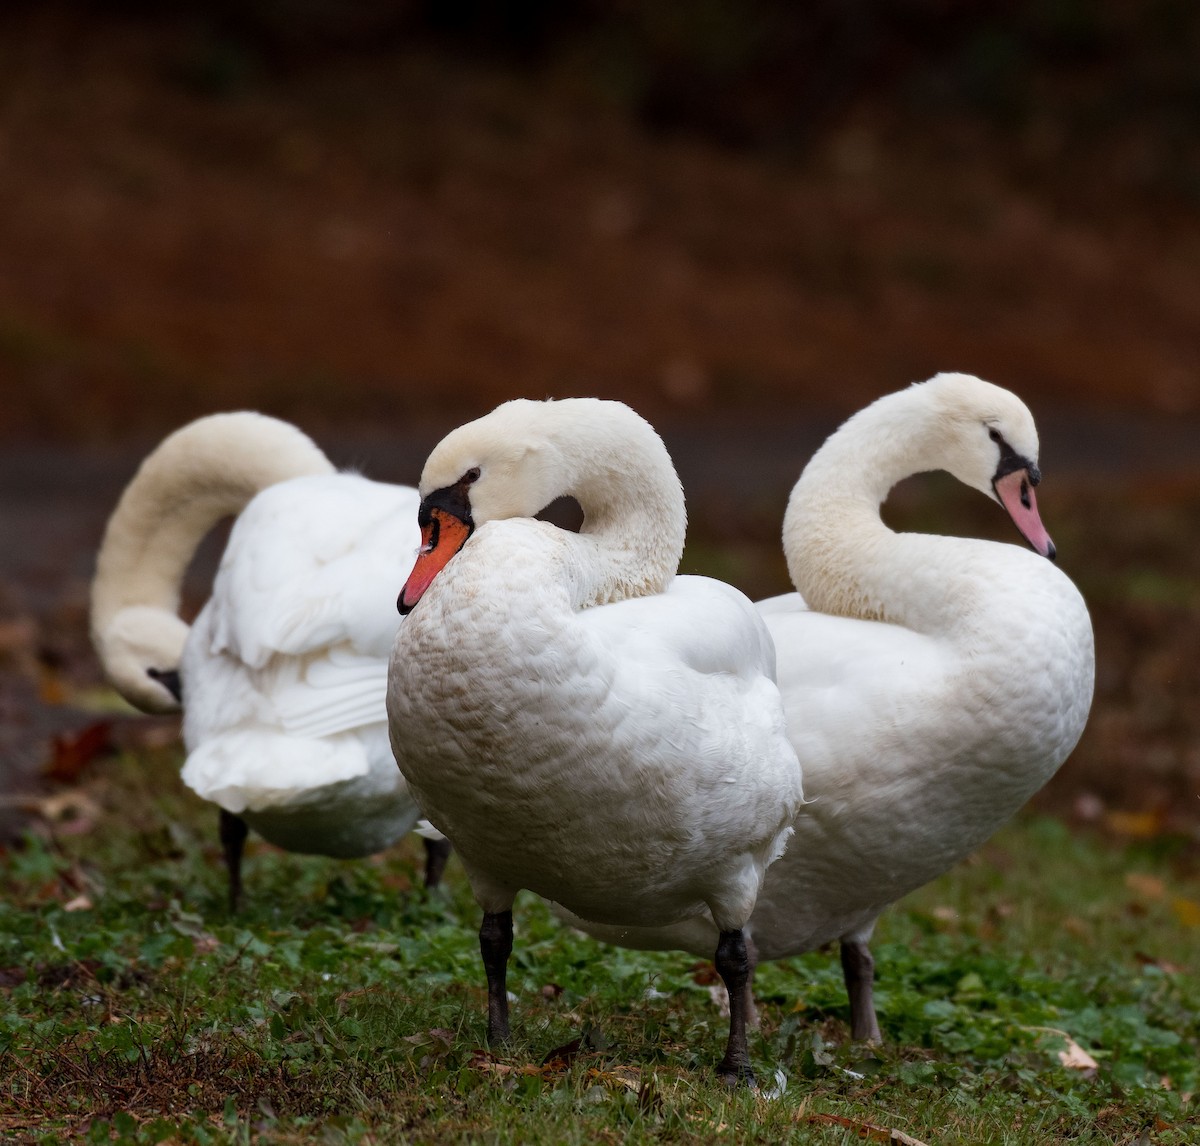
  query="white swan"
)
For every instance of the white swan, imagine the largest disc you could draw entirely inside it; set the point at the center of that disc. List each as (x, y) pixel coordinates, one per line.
(284, 673)
(932, 684)
(574, 720)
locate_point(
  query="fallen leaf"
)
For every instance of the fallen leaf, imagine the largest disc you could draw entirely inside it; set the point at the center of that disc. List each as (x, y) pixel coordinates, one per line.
(615, 1079)
(1072, 1055)
(1135, 825)
(61, 808)
(1163, 965)
(1149, 886)
(79, 903)
(720, 997)
(551, 991)
(867, 1131)
(73, 752)
(51, 689)
(563, 1056)
(486, 1061)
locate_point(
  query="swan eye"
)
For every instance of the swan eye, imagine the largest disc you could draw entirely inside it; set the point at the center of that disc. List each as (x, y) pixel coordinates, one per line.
(994, 434)
(472, 475)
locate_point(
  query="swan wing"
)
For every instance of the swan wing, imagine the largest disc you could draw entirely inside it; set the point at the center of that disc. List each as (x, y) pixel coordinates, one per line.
(851, 682)
(314, 563)
(700, 657)
(697, 622)
(337, 692)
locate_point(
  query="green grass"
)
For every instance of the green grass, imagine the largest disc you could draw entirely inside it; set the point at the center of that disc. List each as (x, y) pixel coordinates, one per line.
(343, 1007)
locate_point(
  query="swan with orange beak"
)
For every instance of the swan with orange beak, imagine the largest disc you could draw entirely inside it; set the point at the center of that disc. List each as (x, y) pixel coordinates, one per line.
(575, 718)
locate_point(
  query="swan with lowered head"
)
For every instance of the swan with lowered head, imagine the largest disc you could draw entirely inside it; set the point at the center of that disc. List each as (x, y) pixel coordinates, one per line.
(577, 720)
(932, 684)
(283, 675)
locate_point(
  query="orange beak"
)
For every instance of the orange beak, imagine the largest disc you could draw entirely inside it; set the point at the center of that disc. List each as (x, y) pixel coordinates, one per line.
(442, 536)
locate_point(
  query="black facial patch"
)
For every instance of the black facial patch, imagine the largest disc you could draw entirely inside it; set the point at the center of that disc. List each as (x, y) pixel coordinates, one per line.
(452, 499)
(1011, 461)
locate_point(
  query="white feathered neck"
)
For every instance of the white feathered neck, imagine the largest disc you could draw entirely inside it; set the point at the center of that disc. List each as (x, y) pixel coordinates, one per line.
(843, 559)
(599, 452)
(203, 472)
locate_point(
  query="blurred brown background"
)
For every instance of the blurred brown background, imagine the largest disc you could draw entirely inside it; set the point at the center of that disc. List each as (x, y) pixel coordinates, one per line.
(745, 217)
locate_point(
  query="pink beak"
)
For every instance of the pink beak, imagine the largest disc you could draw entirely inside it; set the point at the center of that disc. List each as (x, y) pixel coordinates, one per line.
(1015, 492)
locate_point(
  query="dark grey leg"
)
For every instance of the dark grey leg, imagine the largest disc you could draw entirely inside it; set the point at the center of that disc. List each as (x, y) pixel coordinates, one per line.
(437, 852)
(858, 969)
(495, 945)
(233, 837)
(733, 965)
(752, 959)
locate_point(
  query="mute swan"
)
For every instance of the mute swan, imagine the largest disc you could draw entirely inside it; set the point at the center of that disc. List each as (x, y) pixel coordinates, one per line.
(574, 720)
(284, 672)
(932, 684)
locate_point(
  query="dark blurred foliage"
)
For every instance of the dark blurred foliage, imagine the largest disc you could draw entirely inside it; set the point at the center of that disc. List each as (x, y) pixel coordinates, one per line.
(768, 72)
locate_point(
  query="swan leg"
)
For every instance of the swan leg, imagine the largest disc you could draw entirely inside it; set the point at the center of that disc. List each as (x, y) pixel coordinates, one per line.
(752, 1019)
(437, 852)
(858, 969)
(233, 831)
(735, 968)
(495, 945)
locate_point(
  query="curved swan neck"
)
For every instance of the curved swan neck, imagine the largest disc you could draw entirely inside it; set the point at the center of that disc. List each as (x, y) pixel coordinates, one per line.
(838, 549)
(515, 461)
(205, 471)
(616, 466)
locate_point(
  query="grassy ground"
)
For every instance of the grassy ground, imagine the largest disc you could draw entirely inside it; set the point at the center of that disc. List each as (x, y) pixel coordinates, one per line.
(342, 1006)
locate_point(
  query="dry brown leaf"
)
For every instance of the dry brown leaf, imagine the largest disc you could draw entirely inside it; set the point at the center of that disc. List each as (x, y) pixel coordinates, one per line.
(72, 806)
(1164, 965)
(51, 688)
(617, 1079)
(73, 752)
(867, 1131)
(1135, 825)
(562, 1056)
(1072, 1055)
(79, 903)
(1149, 886)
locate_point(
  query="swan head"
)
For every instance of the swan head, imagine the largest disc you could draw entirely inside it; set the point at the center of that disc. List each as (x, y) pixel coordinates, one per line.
(141, 648)
(988, 440)
(522, 456)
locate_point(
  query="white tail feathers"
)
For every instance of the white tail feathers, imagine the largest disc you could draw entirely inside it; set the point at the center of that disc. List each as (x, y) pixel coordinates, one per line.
(203, 472)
